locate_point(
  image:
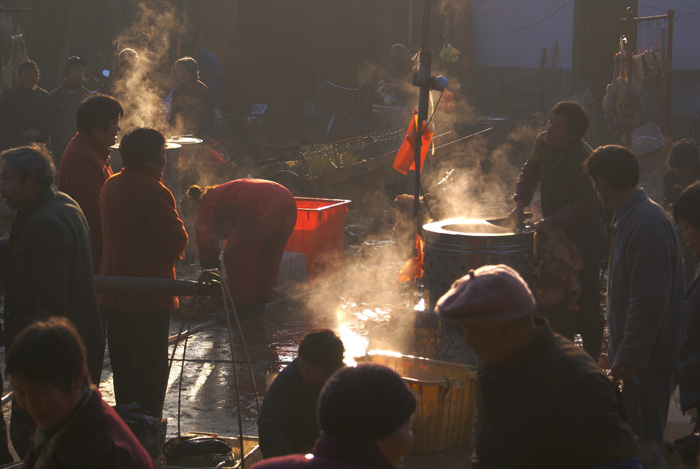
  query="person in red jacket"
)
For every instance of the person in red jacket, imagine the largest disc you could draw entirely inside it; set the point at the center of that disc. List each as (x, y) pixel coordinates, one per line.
(256, 217)
(85, 165)
(143, 237)
(75, 427)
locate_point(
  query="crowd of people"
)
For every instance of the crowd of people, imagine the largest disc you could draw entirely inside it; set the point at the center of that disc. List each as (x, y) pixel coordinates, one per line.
(543, 401)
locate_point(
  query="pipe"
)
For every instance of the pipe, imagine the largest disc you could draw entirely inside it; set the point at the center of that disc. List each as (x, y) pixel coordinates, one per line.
(154, 286)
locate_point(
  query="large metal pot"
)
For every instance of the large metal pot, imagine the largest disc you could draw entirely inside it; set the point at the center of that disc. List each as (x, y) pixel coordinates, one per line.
(453, 247)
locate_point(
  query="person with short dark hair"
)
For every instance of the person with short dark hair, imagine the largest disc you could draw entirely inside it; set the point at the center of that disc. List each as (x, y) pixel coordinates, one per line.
(25, 110)
(74, 426)
(682, 169)
(143, 237)
(64, 104)
(209, 65)
(545, 403)
(569, 203)
(686, 212)
(48, 262)
(257, 217)
(288, 422)
(85, 163)
(365, 413)
(646, 286)
(192, 107)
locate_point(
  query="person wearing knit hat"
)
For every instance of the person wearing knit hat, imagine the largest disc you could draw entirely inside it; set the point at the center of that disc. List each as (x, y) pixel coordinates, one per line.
(545, 403)
(365, 416)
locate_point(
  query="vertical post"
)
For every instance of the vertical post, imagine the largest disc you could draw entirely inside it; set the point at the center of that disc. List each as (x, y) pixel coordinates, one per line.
(629, 56)
(424, 70)
(669, 79)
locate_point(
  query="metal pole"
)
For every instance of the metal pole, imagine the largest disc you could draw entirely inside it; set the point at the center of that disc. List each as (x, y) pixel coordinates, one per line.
(629, 54)
(669, 54)
(424, 66)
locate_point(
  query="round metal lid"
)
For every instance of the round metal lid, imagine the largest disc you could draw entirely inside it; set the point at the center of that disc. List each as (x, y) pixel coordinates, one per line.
(184, 140)
(168, 146)
(469, 227)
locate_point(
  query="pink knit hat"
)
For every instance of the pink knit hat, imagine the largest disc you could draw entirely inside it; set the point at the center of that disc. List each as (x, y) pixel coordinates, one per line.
(492, 293)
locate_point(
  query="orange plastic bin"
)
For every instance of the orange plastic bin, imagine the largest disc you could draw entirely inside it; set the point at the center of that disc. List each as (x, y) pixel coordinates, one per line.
(319, 232)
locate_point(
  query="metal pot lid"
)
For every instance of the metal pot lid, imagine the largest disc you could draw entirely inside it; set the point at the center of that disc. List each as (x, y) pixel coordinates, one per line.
(184, 140)
(468, 226)
(168, 146)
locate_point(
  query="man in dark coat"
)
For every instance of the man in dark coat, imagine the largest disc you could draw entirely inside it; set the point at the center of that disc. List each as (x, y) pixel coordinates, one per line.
(686, 212)
(25, 110)
(288, 422)
(75, 427)
(192, 108)
(48, 261)
(569, 202)
(64, 103)
(646, 285)
(546, 403)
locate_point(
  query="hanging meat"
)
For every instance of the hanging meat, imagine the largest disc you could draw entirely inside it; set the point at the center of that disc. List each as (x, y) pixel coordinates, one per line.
(652, 68)
(623, 97)
(18, 54)
(558, 262)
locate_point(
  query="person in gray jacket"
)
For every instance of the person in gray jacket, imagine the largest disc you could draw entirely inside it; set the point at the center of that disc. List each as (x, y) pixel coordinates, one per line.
(646, 286)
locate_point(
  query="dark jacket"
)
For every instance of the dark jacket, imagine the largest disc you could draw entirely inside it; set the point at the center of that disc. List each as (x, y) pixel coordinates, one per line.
(689, 366)
(21, 110)
(49, 272)
(646, 286)
(569, 199)
(287, 422)
(192, 110)
(95, 437)
(210, 73)
(143, 236)
(331, 453)
(64, 103)
(567, 193)
(552, 408)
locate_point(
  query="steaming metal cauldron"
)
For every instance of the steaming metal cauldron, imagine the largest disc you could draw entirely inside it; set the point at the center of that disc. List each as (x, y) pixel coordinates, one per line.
(453, 247)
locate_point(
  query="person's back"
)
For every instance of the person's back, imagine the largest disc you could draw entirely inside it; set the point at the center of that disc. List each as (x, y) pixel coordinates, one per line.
(553, 408)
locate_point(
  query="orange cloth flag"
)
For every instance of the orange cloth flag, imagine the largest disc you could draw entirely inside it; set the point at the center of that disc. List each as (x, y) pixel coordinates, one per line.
(406, 157)
(413, 268)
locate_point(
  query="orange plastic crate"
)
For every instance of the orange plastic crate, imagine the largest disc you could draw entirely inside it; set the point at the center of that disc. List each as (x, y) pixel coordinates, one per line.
(319, 232)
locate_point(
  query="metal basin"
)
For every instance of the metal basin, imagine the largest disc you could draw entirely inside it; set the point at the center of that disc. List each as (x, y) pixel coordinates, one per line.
(455, 246)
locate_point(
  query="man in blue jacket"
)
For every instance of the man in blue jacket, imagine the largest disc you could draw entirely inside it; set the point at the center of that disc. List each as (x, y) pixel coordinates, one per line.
(646, 286)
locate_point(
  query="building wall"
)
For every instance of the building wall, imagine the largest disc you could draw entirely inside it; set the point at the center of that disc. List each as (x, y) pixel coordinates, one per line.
(509, 36)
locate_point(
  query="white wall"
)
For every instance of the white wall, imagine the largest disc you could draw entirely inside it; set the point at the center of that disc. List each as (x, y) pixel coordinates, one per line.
(522, 49)
(686, 29)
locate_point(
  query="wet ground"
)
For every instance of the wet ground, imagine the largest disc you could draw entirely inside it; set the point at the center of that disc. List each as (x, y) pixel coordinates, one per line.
(361, 301)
